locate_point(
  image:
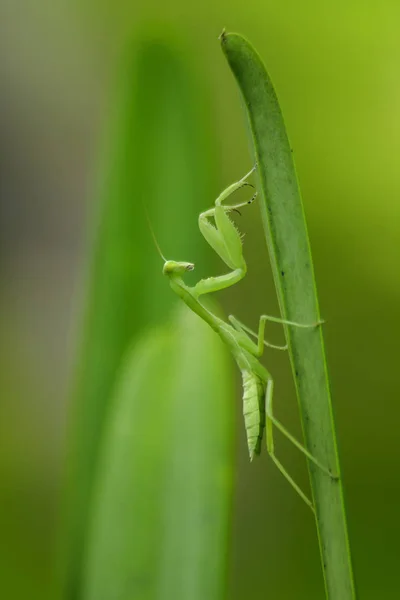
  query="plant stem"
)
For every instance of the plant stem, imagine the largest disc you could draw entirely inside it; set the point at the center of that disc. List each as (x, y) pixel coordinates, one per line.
(289, 249)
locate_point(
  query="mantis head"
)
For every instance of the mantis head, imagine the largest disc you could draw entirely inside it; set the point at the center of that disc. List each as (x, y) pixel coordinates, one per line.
(171, 268)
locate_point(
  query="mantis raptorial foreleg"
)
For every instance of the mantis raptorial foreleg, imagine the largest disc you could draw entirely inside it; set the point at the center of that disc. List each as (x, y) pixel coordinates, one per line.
(224, 239)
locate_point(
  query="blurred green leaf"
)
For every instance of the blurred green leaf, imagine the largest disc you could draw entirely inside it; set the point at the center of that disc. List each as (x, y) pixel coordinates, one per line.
(160, 516)
(155, 154)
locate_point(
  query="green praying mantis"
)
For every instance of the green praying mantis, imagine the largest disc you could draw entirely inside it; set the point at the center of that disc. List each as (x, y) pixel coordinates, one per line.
(258, 384)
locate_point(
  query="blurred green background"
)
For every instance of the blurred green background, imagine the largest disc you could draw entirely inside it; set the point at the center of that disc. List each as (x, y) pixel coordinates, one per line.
(336, 71)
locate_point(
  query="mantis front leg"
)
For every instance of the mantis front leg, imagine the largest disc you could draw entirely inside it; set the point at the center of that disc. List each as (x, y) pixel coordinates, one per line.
(225, 239)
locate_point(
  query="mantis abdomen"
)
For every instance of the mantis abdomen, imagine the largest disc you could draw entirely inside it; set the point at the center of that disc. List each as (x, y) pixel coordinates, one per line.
(253, 410)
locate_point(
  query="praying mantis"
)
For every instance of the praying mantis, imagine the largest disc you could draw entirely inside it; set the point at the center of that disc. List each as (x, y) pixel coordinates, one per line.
(258, 384)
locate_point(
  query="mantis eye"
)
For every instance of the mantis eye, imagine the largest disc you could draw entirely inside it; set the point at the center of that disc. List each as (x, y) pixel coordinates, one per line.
(189, 267)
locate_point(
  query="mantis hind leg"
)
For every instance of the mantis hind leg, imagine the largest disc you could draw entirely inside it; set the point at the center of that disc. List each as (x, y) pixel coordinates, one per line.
(271, 450)
(272, 421)
(270, 416)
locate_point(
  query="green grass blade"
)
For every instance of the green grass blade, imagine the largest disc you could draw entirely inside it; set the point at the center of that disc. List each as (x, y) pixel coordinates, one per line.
(160, 513)
(287, 239)
(155, 153)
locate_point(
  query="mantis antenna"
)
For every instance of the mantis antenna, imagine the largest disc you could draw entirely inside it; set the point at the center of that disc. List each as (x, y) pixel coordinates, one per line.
(153, 235)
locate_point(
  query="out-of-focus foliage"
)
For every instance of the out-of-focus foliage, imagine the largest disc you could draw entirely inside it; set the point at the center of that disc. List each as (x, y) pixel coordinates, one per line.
(335, 68)
(162, 497)
(154, 163)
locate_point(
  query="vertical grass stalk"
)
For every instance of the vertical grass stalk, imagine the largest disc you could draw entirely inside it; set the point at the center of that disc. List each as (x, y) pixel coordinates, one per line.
(289, 249)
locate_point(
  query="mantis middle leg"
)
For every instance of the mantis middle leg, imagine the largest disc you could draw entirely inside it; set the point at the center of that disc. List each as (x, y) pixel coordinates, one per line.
(257, 349)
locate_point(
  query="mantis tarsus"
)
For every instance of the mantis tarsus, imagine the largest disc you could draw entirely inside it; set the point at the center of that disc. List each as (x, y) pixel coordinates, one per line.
(258, 384)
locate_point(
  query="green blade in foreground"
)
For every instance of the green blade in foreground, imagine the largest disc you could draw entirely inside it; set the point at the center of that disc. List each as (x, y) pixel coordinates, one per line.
(155, 154)
(287, 239)
(161, 509)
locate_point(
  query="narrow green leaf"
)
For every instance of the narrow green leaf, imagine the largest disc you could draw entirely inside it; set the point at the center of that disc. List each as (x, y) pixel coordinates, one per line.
(287, 239)
(155, 154)
(160, 514)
